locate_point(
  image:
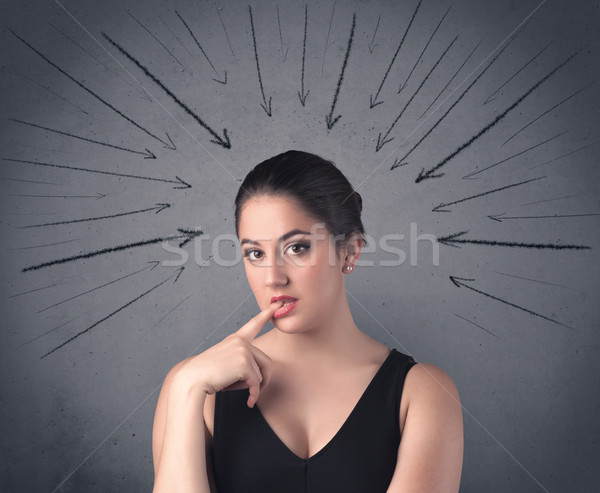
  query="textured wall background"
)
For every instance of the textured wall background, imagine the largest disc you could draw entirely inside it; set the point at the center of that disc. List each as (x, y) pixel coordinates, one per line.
(86, 342)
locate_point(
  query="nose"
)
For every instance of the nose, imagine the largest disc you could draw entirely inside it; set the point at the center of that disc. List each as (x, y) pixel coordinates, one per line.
(276, 273)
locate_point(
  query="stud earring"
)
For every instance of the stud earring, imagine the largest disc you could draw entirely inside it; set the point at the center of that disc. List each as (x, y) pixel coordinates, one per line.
(348, 268)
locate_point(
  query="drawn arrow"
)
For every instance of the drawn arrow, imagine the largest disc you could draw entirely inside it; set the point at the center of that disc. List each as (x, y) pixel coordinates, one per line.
(459, 282)
(469, 176)
(452, 78)
(147, 154)
(327, 39)
(373, 100)
(491, 96)
(502, 217)
(202, 50)
(397, 164)
(177, 180)
(48, 331)
(402, 86)
(153, 262)
(144, 94)
(159, 42)
(371, 45)
(329, 119)
(225, 29)
(382, 141)
(545, 113)
(46, 88)
(157, 208)
(438, 208)
(264, 105)
(31, 247)
(283, 53)
(171, 31)
(302, 95)
(451, 240)
(186, 234)
(176, 275)
(169, 145)
(30, 181)
(566, 154)
(424, 175)
(97, 196)
(476, 325)
(463, 94)
(222, 141)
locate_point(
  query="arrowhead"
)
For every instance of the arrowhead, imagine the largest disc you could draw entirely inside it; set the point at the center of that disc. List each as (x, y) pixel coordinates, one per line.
(438, 208)
(421, 176)
(223, 142)
(455, 280)
(148, 154)
(267, 109)
(426, 175)
(146, 96)
(220, 81)
(451, 239)
(100, 195)
(184, 183)
(373, 102)
(303, 97)
(330, 122)
(171, 147)
(470, 176)
(372, 48)
(286, 53)
(188, 234)
(402, 86)
(381, 143)
(495, 218)
(155, 262)
(179, 273)
(397, 164)
(162, 207)
(488, 100)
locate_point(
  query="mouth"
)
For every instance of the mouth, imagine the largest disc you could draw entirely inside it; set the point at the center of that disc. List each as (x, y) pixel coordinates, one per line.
(286, 299)
(289, 303)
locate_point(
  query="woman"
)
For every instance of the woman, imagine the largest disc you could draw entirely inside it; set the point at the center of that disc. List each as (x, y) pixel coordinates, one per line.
(314, 404)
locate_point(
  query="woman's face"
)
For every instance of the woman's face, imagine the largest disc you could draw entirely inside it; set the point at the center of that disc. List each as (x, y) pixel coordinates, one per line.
(289, 253)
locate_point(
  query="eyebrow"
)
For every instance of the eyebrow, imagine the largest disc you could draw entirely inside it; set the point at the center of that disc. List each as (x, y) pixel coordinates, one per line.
(284, 237)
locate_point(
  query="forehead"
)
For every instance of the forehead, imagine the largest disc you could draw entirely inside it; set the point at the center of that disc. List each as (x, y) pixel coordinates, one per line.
(271, 216)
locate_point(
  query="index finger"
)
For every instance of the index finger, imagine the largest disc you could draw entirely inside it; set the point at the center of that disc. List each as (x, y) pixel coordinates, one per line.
(251, 328)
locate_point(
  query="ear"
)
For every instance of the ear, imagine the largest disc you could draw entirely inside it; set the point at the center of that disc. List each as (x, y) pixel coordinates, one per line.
(352, 249)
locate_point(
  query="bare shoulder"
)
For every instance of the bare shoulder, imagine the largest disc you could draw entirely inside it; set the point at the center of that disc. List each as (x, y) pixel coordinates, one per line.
(431, 448)
(427, 381)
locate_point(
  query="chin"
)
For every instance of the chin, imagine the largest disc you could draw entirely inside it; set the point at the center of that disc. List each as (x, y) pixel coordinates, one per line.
(288, 326)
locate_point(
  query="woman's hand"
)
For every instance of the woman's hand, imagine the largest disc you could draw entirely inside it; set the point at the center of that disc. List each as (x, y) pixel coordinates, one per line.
(233, 363)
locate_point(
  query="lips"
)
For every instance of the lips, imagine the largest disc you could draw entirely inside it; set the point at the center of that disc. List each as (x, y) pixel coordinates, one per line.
(284, 298)
(289, 303)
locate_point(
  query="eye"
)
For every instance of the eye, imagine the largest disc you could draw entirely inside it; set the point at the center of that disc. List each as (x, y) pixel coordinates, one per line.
(298, 248)
(253, 255)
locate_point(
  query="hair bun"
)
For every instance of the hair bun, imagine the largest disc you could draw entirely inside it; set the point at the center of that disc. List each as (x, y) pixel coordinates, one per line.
(357, 200)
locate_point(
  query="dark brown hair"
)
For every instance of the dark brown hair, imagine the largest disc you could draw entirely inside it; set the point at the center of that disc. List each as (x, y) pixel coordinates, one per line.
(314, 183)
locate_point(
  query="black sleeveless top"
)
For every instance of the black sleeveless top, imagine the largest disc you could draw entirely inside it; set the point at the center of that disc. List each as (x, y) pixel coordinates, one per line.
(249, 457)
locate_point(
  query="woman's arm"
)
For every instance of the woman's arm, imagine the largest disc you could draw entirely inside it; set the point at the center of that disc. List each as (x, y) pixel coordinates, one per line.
(181, 441)
(430, 454)
(179, 445)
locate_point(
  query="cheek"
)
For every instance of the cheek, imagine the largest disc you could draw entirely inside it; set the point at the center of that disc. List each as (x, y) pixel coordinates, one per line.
(254, 278)
(323, 277)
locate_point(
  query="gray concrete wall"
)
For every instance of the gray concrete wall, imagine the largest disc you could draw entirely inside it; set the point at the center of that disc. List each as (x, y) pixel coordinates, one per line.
(86, 342)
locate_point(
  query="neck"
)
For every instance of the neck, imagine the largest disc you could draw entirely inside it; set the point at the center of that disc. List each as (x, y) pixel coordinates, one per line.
(336, 336)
